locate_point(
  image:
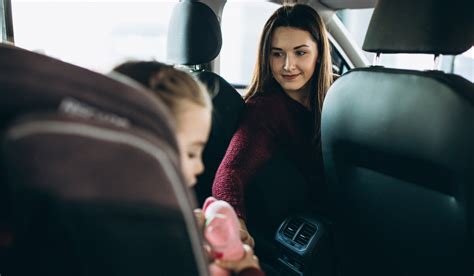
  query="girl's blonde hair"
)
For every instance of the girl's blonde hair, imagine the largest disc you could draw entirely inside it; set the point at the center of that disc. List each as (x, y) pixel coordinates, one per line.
(171, 85)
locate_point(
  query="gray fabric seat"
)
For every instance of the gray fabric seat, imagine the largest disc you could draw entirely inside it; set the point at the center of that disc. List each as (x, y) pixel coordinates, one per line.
(91, 183)
(195, 40)
(398, 151)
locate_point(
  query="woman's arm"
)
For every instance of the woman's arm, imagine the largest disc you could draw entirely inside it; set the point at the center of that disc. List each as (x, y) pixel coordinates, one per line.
(250, 148)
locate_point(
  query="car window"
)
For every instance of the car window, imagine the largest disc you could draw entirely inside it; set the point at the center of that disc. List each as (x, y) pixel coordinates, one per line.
(242, 24)
(357, 22)
(95, 34)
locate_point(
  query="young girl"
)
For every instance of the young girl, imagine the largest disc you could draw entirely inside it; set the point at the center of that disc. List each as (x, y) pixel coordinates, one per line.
(283, 105)
(190, 105)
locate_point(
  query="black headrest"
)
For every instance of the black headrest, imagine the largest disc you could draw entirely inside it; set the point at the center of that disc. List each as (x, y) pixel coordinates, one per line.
(194, 34)
(421, 26)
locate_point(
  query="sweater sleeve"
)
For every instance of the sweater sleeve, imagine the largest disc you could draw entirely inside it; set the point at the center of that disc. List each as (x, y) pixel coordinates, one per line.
(250, 148)
(251, 272)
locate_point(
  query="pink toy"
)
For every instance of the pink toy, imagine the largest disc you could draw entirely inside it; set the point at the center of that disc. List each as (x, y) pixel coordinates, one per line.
(222, 231)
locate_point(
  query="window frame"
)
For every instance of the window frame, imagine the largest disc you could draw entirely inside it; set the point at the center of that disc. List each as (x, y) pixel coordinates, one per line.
(338, 54)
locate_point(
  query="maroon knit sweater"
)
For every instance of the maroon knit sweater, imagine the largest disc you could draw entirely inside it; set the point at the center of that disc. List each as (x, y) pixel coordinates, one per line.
(271, 121)
(251, 272)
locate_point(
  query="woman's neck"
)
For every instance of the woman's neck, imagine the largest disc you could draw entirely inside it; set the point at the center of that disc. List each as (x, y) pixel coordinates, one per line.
(303, 96)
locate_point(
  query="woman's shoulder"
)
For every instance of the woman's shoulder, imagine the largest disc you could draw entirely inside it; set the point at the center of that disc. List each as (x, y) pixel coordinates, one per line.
(266, 101)
(266, 109)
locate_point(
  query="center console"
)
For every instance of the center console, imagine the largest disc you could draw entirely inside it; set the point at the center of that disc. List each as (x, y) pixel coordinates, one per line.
(305, 247)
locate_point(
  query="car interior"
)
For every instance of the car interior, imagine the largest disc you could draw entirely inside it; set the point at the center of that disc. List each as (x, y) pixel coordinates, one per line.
(397, 151)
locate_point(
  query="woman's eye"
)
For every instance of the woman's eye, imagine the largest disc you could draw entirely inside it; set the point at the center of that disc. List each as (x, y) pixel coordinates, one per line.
(277, 54)
(192, 155)
(300, 53)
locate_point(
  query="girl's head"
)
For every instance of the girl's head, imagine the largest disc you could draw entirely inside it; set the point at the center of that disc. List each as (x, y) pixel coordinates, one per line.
(189, 103)
(293, 54)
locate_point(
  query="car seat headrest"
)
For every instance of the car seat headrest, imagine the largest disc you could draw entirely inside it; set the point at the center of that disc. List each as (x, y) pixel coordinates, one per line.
(194, 34)
(422, 26)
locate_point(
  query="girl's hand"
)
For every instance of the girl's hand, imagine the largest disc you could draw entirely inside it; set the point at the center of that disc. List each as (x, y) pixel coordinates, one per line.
(245, 235)
(248, 261)
(199, 215)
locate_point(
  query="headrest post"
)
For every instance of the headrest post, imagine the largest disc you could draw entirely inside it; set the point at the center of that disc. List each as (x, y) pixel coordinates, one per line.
(197, 68)
(436, 62)
(376, 60)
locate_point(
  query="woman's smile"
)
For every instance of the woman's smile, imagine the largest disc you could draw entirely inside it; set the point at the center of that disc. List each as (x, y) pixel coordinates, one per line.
(289, 77)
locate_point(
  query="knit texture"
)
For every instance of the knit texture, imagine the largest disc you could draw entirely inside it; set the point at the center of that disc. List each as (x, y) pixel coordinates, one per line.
(270, 122)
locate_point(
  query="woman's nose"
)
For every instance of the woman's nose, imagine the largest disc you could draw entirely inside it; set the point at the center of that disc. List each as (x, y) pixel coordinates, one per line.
(289, 63)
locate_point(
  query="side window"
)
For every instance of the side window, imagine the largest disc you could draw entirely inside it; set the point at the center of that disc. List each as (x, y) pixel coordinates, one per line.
(242, 24)
(93, 34)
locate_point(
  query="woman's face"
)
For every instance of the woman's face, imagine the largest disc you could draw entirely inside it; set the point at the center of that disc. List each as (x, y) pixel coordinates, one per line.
(193, 127)
(293, 57)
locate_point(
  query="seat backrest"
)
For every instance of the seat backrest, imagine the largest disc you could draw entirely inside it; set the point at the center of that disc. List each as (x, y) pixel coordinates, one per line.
(398, 150)
(90, 174)
(195, 39)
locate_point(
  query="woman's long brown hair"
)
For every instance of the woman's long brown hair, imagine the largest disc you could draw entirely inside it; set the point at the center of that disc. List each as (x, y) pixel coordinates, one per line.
(305, 18)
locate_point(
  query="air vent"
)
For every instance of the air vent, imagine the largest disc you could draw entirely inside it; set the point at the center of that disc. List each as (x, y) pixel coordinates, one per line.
(305, 234)
(291, 228)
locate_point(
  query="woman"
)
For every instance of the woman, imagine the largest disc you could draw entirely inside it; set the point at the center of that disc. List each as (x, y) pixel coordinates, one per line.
(283, 106)
(191, 107)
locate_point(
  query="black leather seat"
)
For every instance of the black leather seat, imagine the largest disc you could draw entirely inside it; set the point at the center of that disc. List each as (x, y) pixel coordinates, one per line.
(91, 183)
(398, 149)
(195, 40)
